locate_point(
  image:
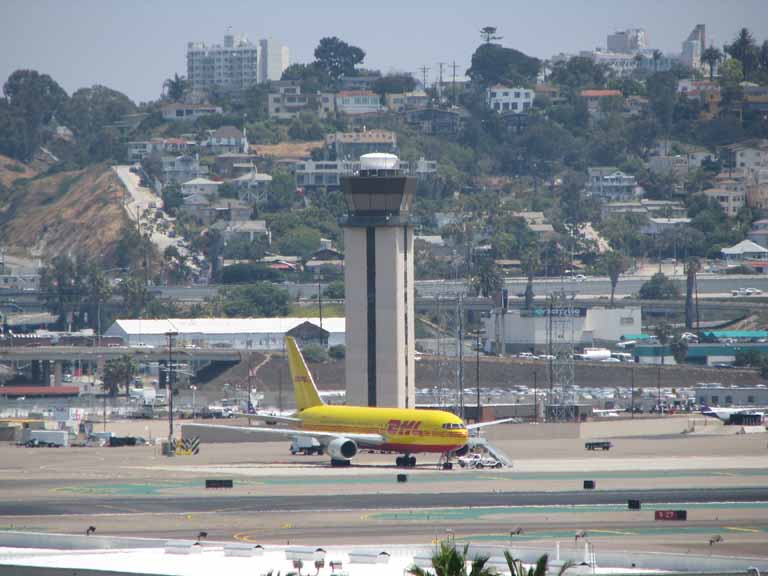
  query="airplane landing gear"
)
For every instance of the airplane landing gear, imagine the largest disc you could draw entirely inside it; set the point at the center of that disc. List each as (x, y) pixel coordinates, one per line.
(405, 461)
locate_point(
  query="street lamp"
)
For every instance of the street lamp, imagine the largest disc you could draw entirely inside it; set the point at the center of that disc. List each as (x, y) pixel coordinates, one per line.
(169, 383)
(194, 389)
(319, 278)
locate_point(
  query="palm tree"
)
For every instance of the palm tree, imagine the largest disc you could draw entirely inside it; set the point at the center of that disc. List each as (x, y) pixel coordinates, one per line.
(656, 57)
(448, 561)
(529, 263)
(614, 264)
(712, 57)
(118, 372)
(516, 566)
(174, 88)
(692, 266)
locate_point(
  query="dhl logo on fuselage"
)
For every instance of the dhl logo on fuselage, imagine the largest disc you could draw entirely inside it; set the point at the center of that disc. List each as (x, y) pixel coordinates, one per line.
(402, 427)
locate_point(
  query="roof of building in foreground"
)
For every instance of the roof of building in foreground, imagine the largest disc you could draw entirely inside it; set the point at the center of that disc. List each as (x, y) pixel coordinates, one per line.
(219, 325)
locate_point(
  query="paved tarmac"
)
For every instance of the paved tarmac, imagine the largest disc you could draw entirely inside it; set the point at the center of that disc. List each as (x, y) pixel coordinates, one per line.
(719, 478)
(206, 503)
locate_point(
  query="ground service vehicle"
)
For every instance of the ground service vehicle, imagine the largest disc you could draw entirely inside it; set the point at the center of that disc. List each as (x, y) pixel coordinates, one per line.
(306, 445)
(478, 461)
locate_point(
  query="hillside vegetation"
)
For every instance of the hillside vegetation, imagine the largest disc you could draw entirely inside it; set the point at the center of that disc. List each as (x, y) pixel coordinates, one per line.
(76, 212)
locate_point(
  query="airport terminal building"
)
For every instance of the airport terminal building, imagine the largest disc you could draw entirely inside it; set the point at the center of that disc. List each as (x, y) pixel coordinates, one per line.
(241, 333)
(529, 330)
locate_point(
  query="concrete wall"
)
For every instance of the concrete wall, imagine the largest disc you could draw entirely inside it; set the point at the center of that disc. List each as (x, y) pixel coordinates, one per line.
(395, 345)
(356, 360)
(600, 324)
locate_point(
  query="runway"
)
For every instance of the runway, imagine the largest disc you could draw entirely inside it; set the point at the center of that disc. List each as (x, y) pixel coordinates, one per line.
(213, 501)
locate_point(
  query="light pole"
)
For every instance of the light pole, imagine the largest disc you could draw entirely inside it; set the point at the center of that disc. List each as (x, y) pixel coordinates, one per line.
(169, 383)
(477, 372)
(319, 278)
(194, 389)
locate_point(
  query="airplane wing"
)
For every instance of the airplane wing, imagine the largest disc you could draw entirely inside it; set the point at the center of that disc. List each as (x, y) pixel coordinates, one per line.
(372, 439)
(269, 418)
(484, 424)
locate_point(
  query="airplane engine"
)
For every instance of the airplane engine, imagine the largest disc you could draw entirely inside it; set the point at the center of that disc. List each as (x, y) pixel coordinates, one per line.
(461, 451)
(342, 449)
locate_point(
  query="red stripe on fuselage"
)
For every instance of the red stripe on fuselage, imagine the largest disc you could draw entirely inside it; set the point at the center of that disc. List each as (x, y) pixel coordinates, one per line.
(412, 448)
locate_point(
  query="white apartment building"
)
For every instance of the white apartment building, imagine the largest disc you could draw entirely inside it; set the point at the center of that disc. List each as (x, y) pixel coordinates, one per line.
(629, 40)
(286, 101)
(505, 99)
(273, 60)
(234, 65)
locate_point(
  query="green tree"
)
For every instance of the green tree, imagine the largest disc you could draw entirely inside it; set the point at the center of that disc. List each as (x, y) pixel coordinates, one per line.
(659, 287)
(663, 333)
(174, 88)
(335, 290)
(282, 191)
(489, 280)
(493, 64)
(311, 77)
(394, 84)
(679, 347)
(173, 199)
(712, 56)
(540, 569)
(31, 101)
(614, 264)
(578, 73)
(449, 561)
(745, 50)
(337, 58)
(257, 300)
(315, 354)
(301, 241)
(134, 294)
(117, 372)
(337, 352)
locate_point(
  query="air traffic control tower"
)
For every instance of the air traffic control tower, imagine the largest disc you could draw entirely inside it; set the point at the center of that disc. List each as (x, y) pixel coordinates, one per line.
(378, 278)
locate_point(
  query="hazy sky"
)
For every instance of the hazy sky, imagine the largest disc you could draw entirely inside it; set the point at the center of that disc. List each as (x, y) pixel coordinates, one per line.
(133, 45)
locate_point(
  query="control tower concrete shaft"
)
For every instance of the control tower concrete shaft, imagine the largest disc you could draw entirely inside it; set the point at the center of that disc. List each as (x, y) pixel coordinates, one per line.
(378, 278)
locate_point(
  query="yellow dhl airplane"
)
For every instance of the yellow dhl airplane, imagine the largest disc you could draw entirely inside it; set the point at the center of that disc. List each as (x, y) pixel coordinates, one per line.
(344, 430)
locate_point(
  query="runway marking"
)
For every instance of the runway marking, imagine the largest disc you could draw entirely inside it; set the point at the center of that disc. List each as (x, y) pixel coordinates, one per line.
(286, 526)
(365, 517)
(737, 529)
(613, 532)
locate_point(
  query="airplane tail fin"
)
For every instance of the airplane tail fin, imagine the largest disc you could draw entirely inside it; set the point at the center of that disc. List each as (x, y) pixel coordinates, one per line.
(303, 386)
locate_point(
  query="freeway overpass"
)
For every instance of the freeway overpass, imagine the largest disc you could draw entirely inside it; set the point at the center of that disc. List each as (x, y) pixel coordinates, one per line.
(102, 353)
(709, 285)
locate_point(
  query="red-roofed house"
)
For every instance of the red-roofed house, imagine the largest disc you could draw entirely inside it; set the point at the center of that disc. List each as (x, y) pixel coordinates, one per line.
(594, 97)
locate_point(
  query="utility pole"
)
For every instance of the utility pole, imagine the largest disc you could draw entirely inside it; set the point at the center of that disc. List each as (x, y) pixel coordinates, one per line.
(460, 354)
(632, 393)
(477, 372)
(424, 70)
(440, 83)
(535, 396)
(169, 385)
(453, 83)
